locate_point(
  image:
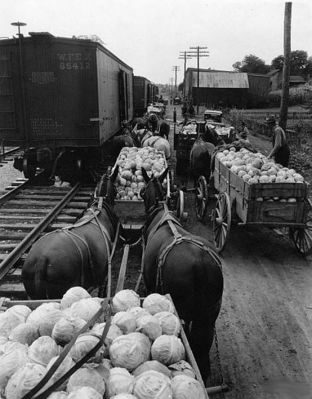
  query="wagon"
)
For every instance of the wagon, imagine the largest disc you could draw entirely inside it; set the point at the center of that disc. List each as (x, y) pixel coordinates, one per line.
(183, 143)
(276, 205)
(131, 213)
(6, 303)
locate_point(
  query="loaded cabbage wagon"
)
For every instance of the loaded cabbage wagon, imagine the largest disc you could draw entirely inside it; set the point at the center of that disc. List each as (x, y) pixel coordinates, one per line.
(258, 192)
(129, 205)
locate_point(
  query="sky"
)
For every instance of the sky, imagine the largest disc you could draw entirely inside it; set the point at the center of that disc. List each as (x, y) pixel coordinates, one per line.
(150, 34)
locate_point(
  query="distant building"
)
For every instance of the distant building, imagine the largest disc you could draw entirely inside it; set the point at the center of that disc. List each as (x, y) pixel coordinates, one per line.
(276, 78)
(226, 88)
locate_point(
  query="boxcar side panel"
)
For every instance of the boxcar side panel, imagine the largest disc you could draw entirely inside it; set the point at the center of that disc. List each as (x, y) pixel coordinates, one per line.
(61, 92)
(114, 94)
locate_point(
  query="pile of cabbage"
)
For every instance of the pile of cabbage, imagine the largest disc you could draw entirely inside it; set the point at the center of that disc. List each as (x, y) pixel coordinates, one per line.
(256, 167)
(130, 161)
(142, 356)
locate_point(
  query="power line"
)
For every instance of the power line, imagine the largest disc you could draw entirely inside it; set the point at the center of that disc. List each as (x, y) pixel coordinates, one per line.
(183, 56)
(198, 52)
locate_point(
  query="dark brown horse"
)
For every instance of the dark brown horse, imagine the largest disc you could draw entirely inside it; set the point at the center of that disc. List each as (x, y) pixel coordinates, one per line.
(183, 265)
(77, 255)
(200, 158)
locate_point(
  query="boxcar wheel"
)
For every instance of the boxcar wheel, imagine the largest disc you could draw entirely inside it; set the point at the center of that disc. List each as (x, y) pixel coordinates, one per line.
(201, 198)
(221, 221)
(29, 167)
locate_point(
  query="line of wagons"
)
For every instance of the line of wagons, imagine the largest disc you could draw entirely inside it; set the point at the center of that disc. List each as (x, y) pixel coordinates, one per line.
(280, 203)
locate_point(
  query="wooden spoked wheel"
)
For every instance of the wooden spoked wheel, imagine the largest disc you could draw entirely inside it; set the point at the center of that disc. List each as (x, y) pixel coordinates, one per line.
(221, 221)
(302, 236)
(201, 197)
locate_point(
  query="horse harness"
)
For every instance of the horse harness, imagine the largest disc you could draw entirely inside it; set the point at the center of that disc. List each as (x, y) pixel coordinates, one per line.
(178, 238)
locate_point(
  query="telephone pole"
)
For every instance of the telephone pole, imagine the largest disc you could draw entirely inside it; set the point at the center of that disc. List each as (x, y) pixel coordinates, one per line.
(286, 66)
(198, 52)
(175, 68)
(183, 56)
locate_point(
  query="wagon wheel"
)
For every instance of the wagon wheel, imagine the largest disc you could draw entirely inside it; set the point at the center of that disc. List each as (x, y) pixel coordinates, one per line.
(302, 236)
(201, 197)
(180, 207)
(221, 221)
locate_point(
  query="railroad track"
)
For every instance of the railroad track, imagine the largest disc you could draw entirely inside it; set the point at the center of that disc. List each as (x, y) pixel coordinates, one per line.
(26, 213)
(6, 155)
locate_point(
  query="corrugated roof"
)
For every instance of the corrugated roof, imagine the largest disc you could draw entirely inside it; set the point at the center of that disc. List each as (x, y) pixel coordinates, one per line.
(221, 80)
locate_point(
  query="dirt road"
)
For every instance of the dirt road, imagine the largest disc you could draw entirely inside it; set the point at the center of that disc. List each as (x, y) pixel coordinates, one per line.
(265, 327)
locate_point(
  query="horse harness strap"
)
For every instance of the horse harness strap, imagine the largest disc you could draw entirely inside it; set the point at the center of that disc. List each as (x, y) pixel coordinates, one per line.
(166, 217)
(178, 239)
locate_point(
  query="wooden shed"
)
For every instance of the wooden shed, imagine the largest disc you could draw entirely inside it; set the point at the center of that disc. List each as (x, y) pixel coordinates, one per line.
(217, 88)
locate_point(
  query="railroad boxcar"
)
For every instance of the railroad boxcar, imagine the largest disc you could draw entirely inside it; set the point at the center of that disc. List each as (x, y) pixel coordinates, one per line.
(142, 94)
(61, 94)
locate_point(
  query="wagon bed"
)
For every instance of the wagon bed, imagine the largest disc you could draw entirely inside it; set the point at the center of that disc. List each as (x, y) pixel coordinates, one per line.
(267, 204)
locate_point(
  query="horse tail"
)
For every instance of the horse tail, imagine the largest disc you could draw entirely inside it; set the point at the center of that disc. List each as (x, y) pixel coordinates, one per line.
(40, 280)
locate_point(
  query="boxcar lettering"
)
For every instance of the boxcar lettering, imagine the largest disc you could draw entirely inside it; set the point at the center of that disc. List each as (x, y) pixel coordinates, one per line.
(45, 126)
(42, 78)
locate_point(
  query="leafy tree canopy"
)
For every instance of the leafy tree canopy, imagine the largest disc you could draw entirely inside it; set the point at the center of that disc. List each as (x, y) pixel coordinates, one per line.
(300, 64)
(252, 64)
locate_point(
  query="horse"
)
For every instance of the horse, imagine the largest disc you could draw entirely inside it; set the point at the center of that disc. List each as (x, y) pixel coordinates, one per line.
(143, 137)
(74, 255)
(183, 265)
(200, 158)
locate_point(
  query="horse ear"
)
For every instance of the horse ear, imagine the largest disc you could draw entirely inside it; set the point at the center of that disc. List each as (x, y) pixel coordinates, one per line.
(145, 175)
(114, 174)
(163, 175)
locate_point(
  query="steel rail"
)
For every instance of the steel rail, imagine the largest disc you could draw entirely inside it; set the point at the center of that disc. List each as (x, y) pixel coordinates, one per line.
(20, 249)
(8, 152)
(12, 193)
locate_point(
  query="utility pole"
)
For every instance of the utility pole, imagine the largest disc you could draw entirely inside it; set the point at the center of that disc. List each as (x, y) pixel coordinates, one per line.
(198, 52)
(286, 66)
(183, 56)
(175, 68)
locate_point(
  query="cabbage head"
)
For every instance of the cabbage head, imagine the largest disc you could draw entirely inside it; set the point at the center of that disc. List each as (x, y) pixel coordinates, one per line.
(129, 351)
(24, 333)
(125, 321)
(65, 328)
(24, 380)
(85, 393)
(182, 367)
(119, 381)
(86, 377)
(155, 303)
(8, 321)
(152, 365)
(152, 384)
(83, 345)
(170, 323)
(150, 326)
(85, 308)
(124, 300)
(113, 332)
(72, 295)
(10, 362)
(62, 369)
(137, 312)
(58, 395)
(43, 350)
(185, 387)
(44, 317)
(21, 311)
(168, 349)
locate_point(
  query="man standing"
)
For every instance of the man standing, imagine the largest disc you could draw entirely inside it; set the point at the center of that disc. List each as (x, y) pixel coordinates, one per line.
(280, 150)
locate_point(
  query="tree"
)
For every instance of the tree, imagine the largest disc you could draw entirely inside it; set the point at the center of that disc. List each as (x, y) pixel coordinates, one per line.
(252, 64)
(298, 62)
